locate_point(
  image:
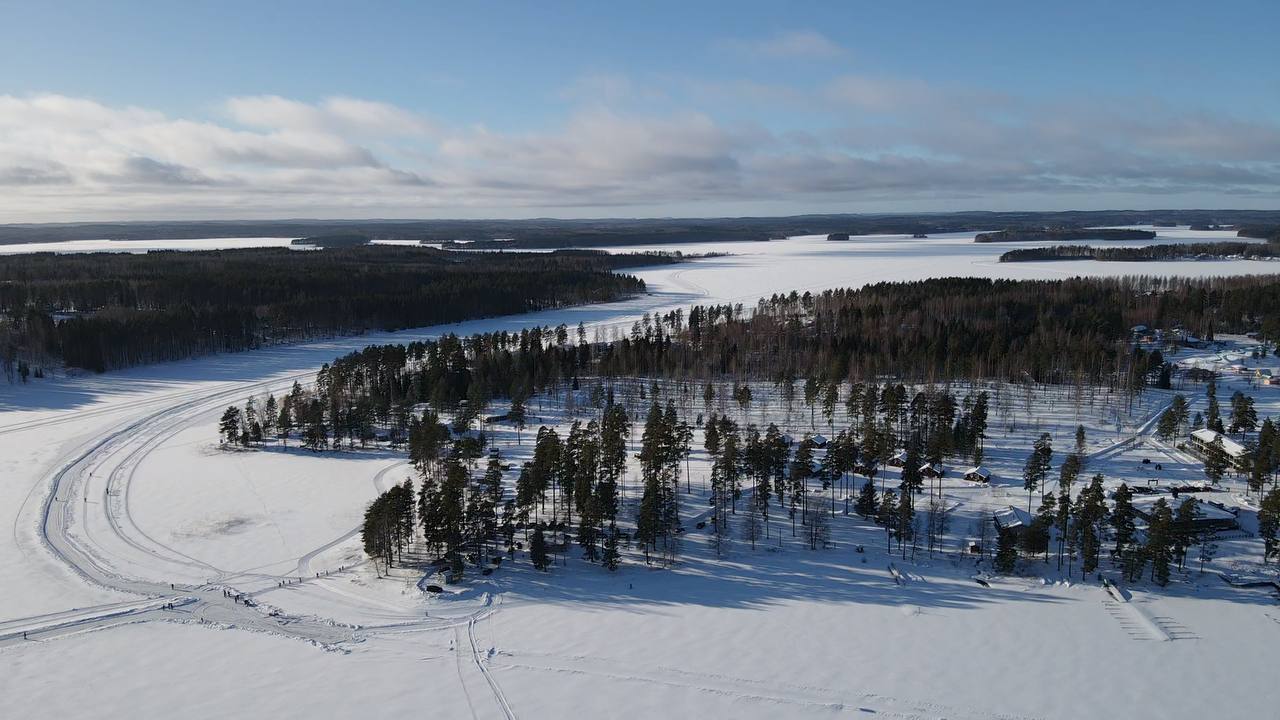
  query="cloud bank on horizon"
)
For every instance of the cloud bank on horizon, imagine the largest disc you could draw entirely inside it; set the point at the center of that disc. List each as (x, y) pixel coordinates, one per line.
(638, 144)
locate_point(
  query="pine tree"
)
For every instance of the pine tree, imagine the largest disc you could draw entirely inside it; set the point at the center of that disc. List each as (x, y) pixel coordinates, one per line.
(830, 398)
(1159, 541)
(229, 425)
(886, 514)
(1181, 411)
(1244, 417)
(611, 557)
(1036, 468)
(1069, 471)
(912, 478)
(1062, 523)
(752, 525)
(798, 478)
(1269, 524)
(1133, 562)
(517, 415)
(1006, 558)
(978, 426)
(811, 390)
(1167, 428)
(1036, 538)
(1213, 416)
(270, 413)
(1184, 528)
(1208, 548)
(867, 502)
(904, 520)
(1123, 519)
(376, 533)
(711, 435)
(1215, 460)
(284, 421)
(538, 550)
(1091, 514)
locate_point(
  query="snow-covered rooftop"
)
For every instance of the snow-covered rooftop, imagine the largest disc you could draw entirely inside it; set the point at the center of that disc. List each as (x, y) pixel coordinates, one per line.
(1204, 510)
(1231, 447)
(1012, 517)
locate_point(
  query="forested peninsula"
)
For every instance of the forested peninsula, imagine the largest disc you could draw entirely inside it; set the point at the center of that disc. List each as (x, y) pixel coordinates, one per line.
(1171, 251)
(104, 311)
(1062, 235)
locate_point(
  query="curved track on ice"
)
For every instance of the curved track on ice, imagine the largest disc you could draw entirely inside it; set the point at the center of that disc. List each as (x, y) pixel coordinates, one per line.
(85, 522)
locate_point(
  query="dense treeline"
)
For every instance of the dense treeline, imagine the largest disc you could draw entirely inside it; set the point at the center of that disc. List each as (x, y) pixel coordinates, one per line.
(1270, 233)
(570, 488)
(104, 311)
(957, 328)
(1171, 251)
(550, 232)
(836, 350)
(1062, 234)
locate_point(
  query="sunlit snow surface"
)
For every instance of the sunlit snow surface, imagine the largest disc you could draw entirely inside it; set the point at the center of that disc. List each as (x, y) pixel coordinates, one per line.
(759, 634)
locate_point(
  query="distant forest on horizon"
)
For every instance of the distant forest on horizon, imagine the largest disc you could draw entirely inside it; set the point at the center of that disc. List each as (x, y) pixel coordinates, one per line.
(552, 233)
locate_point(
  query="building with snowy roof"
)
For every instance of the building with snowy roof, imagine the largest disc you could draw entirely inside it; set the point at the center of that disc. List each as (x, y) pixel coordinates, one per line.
(1208, 516)
(1201, 442)
(1012, 519)
(933, 470)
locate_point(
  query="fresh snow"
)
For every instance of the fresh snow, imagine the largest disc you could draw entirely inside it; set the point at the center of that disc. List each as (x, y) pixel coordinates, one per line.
(766, 633)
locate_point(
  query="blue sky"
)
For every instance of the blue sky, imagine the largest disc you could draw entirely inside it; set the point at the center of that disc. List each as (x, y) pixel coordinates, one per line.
(155, 110)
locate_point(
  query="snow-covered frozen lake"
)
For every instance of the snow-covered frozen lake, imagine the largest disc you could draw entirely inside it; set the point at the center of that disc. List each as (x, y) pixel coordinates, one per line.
(756, 269)
(791, 635)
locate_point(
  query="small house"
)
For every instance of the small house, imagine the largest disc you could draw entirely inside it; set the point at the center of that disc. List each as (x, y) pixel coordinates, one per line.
(979, 474)
(1012, 519)
(899, 459)
(932, 470)
(818, 441)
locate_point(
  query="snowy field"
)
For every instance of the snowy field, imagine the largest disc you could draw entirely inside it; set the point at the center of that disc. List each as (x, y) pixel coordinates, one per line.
(780, 632)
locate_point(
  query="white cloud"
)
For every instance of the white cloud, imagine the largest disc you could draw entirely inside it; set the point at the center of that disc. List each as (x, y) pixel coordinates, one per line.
(856, 139)
(799, 44)
(332, 114)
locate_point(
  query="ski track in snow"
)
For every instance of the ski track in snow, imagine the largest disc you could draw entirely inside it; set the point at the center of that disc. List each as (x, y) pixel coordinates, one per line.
(782, 694)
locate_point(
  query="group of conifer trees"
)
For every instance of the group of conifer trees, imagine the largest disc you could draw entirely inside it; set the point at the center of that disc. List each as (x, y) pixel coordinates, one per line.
(299, 412)
(104, 311)
(572, 487)
(1044, 330)
(1080, 527)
